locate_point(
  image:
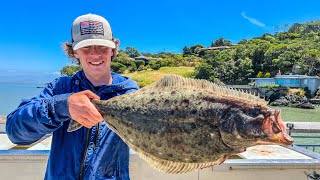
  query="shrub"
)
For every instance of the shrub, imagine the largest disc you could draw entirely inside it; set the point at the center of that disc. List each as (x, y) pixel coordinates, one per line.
(267, 75)
(155, 65)
(299, 92)
(70, 70)
(118, 67)
(132, 69)
(139, 63)
(269, 86)
(260, 74)
(166, 62)
(141, 68)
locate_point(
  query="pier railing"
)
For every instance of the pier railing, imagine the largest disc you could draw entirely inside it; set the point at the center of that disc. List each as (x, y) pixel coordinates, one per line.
(306, 134)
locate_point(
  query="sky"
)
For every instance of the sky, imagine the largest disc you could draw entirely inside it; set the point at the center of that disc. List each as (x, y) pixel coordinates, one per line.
(32, 32)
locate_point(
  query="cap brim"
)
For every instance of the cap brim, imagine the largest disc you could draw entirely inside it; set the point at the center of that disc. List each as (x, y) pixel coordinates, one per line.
(93, 42)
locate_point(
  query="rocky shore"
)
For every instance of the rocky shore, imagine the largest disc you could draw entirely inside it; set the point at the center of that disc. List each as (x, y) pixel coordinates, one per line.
(283, 97)
(292, 100)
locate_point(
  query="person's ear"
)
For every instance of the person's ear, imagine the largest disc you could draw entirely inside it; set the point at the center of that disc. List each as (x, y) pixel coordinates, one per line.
(112, 52)
(115, 50)
(75, 54)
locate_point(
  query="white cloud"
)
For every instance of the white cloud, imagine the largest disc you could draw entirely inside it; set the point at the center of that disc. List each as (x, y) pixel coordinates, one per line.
(253, 20)
(11, 70)
(56, 73)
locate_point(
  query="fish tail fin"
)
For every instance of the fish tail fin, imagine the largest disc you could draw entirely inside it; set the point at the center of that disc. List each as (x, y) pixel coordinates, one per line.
(73, 126)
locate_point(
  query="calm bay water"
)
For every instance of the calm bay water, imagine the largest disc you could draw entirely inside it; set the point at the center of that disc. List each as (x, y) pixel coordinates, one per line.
(12, 93)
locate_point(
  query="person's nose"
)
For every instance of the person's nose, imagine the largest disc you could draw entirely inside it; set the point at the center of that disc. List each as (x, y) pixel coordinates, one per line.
(94, 52)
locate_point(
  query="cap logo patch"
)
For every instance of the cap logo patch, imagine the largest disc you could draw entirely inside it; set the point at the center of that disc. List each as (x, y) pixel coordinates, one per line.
(91, 27)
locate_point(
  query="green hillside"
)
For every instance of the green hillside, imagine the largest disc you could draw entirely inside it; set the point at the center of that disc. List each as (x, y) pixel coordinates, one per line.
(144, 78)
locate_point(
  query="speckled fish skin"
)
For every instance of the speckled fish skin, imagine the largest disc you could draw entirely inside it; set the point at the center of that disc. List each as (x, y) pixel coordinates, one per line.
(178, 125)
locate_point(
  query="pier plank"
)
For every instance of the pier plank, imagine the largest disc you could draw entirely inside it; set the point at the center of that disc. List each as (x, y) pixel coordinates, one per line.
(5, 142)
(42, 145)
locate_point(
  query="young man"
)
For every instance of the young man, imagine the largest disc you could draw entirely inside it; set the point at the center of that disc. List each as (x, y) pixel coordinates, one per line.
(94, 151)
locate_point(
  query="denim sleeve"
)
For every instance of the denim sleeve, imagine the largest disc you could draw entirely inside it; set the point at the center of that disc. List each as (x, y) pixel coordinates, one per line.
(36, 117)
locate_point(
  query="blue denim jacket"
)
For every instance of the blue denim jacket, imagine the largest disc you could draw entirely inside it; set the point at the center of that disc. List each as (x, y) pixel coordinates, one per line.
(98, 151)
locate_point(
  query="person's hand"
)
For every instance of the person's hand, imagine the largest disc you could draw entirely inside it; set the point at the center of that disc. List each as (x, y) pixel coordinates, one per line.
(82, 110)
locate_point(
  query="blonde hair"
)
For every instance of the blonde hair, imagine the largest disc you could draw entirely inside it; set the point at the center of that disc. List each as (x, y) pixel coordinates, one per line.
(68, 50)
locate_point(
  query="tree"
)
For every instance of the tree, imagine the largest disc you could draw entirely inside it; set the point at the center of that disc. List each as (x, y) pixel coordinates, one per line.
(311, 60)
(256, 50)
(196, 48)
(147, 54)
(203, 71)
(243, 41)
(286, 60)
(221, 42)
(132, 52)
(70, 70)
(296, 28)
(272, 55)
(244, 70)
(122, 56)
(186, 50)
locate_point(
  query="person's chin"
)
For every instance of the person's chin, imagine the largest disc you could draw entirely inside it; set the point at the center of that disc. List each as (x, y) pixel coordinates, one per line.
(98, 70)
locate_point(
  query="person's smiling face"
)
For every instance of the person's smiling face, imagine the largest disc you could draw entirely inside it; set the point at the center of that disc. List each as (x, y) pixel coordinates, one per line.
(95, 60)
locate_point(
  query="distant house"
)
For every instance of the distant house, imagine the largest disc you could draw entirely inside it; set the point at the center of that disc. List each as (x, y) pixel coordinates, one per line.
(221, 48)
(217, 48)
(297, 81)
(146, 59)
(143, 58)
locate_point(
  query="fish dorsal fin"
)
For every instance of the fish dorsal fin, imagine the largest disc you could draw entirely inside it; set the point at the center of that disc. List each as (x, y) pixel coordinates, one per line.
(220, 90)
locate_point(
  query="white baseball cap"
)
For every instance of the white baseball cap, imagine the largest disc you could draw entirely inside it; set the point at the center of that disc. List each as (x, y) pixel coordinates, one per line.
(90, 30)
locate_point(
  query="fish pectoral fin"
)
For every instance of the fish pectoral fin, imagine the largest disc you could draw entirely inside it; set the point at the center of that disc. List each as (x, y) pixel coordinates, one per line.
(73, 126)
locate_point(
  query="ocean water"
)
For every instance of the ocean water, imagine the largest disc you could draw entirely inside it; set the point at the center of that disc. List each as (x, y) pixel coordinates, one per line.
(11, 94)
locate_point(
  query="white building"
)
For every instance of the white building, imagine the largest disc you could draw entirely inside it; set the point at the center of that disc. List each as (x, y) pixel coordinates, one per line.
(297, 81)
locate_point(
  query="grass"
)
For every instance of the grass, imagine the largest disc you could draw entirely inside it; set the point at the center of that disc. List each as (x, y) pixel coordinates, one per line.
(144, 78)
(299, 115)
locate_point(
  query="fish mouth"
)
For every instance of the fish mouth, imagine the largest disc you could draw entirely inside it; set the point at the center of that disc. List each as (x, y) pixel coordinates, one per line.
(281, 138)
(287, 139)
(275, 131)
